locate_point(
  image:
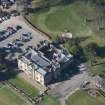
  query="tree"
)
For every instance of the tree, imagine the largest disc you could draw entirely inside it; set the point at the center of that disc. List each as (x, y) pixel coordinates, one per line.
(90, 52)
(99, 2)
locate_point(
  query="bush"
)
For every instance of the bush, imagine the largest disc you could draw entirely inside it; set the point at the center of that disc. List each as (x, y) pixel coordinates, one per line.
(2, 66)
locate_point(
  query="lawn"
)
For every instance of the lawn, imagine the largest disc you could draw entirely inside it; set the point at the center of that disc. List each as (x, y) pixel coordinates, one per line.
(98, 69)
(70, 18)
(48, 100)
(94, 39)
(82, 98)
(26, 87)
(62, 18)
(30, 90)
(8, 97)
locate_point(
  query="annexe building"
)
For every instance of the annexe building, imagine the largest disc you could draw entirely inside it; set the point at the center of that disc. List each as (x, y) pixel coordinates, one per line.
(45, 63)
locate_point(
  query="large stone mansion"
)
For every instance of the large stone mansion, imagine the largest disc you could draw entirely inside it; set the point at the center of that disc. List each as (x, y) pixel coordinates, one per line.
(45, 63)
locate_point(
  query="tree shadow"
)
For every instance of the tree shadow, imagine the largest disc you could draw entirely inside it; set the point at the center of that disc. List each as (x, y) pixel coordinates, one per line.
(68, 73)
(8, 73)
(38, 10)
(49, 4)
(100, 51)
(7, 50)
(9, 70)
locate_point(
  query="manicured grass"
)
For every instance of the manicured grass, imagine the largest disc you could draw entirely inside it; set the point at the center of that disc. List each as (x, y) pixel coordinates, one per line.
(23, 85)
(98, 69)
(48, 100)
(30, 90)
(8, 97)
(71, 18)
(61, 18)
(93, 39)
(82, 98)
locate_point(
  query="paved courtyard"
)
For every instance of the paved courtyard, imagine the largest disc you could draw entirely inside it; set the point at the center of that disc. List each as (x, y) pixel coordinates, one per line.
(63, 89)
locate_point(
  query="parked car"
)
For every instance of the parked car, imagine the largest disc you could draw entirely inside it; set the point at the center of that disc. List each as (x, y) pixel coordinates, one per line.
(26, 37)
(18, 27)
(11, 30)
(15, 13)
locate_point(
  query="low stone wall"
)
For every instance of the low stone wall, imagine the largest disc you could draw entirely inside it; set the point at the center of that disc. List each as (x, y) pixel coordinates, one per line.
(34, 100)
(36, 28)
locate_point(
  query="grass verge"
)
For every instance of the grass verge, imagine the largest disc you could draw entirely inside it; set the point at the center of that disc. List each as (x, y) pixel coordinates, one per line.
(8, 97)
(82, 98)
(25, 86)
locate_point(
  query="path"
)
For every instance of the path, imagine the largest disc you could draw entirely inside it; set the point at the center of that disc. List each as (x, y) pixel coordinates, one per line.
(64, 89)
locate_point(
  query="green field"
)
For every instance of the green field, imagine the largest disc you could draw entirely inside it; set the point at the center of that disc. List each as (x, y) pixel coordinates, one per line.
(8, 97)
(48, 100)
(82, 98)
(32, 91)
(23, 85)
(70, 18)
(62, 18)
(98, 69)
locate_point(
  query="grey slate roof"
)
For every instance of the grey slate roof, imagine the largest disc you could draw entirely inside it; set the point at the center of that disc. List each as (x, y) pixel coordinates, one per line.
(48, 58)
(39, 60)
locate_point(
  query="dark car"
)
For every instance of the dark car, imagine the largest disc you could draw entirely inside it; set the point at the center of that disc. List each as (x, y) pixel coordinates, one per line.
(18, 27)
(11, 30)
(15, 13)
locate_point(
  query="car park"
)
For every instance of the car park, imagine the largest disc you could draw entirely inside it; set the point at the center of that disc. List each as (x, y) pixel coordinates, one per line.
(6, 33)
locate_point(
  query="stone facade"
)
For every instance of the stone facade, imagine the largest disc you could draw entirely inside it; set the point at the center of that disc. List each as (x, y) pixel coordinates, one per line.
(44, 67)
